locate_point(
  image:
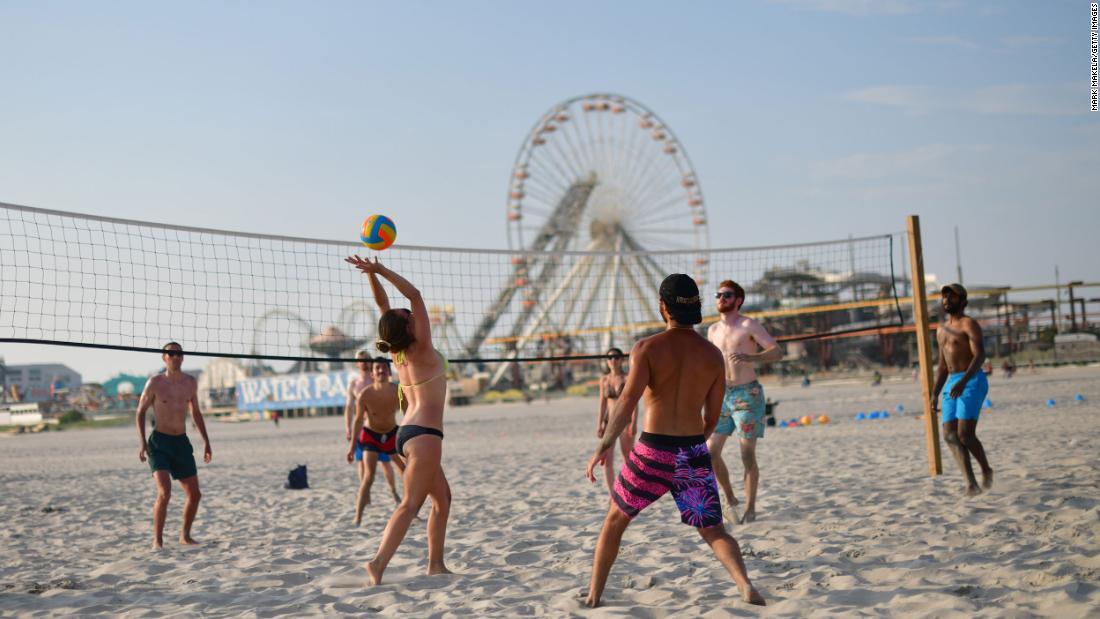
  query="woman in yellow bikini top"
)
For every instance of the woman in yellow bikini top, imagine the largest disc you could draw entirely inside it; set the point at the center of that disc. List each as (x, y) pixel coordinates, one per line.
(407, 336)
(399, 359)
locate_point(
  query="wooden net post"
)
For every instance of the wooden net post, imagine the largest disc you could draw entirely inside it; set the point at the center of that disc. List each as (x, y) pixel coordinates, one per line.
(924, 347)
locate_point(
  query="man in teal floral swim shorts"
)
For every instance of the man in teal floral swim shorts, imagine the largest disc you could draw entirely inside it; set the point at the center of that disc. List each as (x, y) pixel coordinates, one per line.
(743, 342)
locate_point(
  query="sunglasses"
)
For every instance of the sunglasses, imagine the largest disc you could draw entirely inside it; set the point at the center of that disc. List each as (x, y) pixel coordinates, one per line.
(174, 353)
(724, 295)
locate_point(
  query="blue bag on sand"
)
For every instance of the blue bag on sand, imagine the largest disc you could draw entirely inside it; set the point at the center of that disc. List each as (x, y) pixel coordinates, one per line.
(296, 479)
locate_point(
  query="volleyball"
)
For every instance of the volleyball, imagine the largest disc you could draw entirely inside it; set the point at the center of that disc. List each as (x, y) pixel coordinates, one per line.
(378, 232)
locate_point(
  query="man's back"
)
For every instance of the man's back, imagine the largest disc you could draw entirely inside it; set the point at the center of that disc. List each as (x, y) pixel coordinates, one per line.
(684, 369)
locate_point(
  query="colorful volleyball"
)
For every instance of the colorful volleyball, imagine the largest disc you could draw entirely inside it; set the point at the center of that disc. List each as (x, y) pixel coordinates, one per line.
(378, 232)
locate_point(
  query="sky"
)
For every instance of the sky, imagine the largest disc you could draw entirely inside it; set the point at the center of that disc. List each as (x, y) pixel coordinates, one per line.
(806, 120)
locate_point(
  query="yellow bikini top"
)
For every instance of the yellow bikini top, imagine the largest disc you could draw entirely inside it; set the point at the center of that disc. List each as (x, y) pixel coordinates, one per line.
(399, 359)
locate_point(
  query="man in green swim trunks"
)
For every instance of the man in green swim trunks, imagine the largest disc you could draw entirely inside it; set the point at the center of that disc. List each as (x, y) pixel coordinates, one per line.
(168, 450)
(743, 342)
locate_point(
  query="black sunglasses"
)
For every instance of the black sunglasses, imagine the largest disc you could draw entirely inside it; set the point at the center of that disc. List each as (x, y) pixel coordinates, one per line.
(724, 295)
(174, 353)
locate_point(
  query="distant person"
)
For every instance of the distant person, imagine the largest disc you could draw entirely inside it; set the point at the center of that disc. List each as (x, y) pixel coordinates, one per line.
(1008, 368)
(375, 425)
(275, 418)
(961, 355)
(422, 370)
(876, 378)
(611, 387)
(680, 374)
(743, 342)
(360, 381)
(168, 450)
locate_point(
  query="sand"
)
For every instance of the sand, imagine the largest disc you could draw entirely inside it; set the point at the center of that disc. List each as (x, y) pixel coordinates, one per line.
(850, 523)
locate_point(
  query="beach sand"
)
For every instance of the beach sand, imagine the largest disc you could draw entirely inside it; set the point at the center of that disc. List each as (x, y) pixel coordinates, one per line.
(850, 523)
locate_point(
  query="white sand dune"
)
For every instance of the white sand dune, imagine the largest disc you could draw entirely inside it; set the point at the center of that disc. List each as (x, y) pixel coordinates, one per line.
(849, 523)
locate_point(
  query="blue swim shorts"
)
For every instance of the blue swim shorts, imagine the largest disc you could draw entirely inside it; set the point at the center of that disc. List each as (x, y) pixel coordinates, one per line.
(743, 411)
(969, 405)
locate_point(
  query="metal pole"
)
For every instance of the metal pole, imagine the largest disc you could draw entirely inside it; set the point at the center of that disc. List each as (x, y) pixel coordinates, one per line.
(958, 258)
(1072, 307)
(1058, 296)
(924, 348)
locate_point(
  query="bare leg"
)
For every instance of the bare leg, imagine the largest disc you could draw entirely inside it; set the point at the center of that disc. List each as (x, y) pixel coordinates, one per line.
(160, 506)
(962, 457)
(387, 472)
(421, 470)
(609, 471)
(190, 507)
(437, 524)
(729, 554)
(969, 440)
(626, 445)
(362, 499)
(721, 473)
(607, 549)
(752, 478)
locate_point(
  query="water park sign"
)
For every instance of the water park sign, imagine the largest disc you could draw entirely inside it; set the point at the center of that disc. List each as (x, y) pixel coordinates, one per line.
(292, 391)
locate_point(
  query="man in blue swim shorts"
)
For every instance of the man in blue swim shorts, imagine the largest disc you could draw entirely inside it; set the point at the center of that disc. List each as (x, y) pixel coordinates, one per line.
(963, 384)
(743, 342)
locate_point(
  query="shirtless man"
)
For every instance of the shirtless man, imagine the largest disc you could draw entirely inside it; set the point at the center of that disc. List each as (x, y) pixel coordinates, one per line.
(961, 355)
(356, 385)
(680, 374)
(743, 342)
(375, 427)
(168, 450)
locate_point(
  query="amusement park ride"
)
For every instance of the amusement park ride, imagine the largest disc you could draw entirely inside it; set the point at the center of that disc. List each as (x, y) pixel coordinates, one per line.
(596, 173)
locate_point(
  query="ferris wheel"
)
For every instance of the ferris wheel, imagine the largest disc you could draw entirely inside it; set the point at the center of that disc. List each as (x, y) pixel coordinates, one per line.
(596, 173)
(640, 185)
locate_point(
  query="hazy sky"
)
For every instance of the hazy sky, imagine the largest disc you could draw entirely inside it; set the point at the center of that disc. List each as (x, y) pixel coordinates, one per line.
(806, 119)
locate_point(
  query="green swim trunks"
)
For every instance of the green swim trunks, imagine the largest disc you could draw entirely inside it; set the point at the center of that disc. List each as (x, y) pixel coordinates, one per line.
(171, 453)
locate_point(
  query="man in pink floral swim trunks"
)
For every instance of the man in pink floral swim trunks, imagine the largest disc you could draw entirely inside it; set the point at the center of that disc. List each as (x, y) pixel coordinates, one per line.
(743, 342)
(679, 373)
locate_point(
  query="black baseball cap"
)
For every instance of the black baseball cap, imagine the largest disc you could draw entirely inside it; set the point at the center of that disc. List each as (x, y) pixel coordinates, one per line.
(956, 288)
(681, 296)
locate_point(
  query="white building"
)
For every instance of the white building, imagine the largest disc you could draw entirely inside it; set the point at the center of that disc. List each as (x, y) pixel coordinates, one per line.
(217, 384)
(38, 382)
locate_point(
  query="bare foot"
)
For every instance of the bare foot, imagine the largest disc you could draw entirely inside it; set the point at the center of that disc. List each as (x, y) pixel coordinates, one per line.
(752, 596)
(157, 544)
(592, 601)
(375, 572)
(973, 490)
(728, 514)
(434, 570)
(187, 540)
(750, 516)
(987, 479)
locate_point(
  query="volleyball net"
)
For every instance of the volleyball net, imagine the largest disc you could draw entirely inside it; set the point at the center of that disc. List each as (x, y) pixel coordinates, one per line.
(100, 282)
